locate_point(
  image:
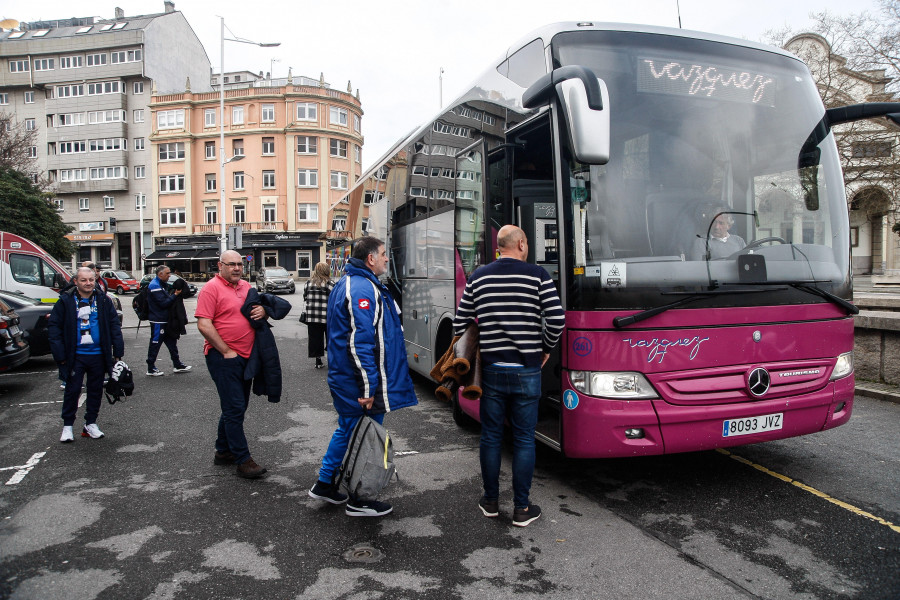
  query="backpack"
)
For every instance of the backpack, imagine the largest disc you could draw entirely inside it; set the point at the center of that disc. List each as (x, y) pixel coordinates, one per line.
(120, 384)
(141, 304)
(368, 464)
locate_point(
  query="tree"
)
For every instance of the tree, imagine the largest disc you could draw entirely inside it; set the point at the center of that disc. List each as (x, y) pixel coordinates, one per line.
(27, 211)
(16, 143)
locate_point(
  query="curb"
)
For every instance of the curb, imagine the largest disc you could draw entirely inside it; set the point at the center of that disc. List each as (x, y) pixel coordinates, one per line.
(878, 393)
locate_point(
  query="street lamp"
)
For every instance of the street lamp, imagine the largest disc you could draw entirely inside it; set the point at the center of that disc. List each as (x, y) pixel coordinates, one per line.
(223, 242)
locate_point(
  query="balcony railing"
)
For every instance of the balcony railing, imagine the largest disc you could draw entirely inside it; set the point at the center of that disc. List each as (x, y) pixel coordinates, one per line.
(246, 226)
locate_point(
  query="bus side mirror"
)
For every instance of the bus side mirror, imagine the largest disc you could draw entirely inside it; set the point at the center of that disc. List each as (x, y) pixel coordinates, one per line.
(584, 102)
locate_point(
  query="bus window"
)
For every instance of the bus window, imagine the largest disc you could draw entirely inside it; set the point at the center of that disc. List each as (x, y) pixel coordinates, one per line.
(469, 218)
(525, 66)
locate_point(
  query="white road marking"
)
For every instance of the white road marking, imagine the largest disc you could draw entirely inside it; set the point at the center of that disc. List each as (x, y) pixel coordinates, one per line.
(34, 403)
(407, 452)
(25, 469)
(81, 399)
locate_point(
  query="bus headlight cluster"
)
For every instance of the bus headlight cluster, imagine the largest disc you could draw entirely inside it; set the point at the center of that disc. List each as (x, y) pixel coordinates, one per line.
(625, 385)
(844, 366)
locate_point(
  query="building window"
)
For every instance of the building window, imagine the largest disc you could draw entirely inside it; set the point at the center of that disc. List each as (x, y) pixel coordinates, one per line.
(60, 204)
(4, 99)
(268, 113)
(240, 213)
(72, 147)
(210, 182)
(171, 151)
(135, 55)
(308, 212)
(371, 196)
(364, 226)
(339, 222)
(138, 143)
(29, 97)
(68, 120)
(99, 173)
(357, 153)
(138, 115)
(107, 144)
(84, 204)
(69, 91)
(268, 180)
(117, 57)
(140, 201)
(212, 215)
(871, 150)
(71, 62)
(67, 175)
(238, 180)
(338, 148)
(32, 152)
(307, 178)
(268, 212)
(237, 147)
(338, 116)
(19, 66)
(138, 87)
(356, 123)
(109, 203)
(30, 125)
(170, 119)
(268, 146)
(209, 117)
(307, 111)
(171, 216)
(171, 183)
(210, 149)
(140, 172)
(43, 64)
(339, 180)
(95, 60)
(237, 115)
(306, 144)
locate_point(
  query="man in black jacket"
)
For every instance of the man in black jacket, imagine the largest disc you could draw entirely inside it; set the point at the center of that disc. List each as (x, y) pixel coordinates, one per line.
(85, 338)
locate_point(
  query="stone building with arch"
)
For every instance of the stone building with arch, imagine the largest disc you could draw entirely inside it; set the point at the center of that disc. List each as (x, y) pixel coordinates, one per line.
(870, 156)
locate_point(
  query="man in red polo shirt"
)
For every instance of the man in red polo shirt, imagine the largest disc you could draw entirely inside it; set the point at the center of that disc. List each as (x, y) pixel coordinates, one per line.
(229, 341)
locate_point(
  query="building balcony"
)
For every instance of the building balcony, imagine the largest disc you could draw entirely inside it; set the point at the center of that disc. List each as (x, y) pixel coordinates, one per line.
(246, 226)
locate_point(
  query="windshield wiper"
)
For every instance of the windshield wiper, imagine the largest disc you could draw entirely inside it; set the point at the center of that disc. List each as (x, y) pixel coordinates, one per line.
(620, 322)
(809, 286)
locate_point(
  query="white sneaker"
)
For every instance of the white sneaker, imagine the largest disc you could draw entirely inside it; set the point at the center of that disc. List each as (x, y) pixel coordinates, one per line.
(67, 436)
(182, 369)
(92, 431)
(155, 372)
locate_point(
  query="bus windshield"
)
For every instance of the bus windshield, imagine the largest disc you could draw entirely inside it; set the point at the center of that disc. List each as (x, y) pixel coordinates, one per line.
(722, 172)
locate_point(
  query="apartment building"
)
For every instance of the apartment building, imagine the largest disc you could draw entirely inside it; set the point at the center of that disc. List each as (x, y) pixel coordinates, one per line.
(84, 85)
(293, 148)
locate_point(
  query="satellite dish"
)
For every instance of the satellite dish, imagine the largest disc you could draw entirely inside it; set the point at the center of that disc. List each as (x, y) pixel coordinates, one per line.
(9, 24)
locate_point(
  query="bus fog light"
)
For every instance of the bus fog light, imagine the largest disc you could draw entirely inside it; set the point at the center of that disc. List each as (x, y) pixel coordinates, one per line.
(578, 380)
(634, 433)
(843, 367)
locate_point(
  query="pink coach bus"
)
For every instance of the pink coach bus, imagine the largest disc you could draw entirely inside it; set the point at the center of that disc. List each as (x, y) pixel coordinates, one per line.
(684, 190)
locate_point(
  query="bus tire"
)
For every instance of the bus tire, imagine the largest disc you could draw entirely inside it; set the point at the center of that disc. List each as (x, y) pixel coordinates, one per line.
(459, 417)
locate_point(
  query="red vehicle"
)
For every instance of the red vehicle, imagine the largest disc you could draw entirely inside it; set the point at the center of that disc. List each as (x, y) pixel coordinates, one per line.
(120, 281)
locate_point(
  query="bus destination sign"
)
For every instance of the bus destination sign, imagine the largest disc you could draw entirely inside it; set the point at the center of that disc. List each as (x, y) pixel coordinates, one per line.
(719, 82)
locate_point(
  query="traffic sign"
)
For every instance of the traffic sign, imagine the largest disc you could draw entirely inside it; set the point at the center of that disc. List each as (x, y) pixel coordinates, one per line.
(249, 258)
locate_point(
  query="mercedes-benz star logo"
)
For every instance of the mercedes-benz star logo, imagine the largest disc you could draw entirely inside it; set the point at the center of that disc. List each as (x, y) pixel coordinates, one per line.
(758, 381)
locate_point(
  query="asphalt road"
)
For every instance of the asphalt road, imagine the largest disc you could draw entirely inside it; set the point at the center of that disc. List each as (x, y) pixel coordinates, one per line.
(143, 513)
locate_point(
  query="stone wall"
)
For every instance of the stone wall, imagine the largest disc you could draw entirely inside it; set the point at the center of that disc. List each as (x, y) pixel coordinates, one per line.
(876, 351)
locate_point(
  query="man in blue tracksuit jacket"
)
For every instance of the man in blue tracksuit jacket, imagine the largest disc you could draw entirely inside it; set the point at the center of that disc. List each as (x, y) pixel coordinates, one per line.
(159, 299)
(367, 368)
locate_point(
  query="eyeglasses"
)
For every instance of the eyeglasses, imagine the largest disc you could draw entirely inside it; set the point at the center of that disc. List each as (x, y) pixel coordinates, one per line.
(232, 265)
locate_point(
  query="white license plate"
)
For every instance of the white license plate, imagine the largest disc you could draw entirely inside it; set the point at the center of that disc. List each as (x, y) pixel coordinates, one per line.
(761, 424)
(14, 329)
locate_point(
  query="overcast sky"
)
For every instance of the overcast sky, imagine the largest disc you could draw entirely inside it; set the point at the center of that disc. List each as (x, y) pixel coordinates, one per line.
(392, 50)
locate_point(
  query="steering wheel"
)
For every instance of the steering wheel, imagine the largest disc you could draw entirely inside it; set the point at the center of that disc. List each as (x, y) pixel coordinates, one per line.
(761, 241)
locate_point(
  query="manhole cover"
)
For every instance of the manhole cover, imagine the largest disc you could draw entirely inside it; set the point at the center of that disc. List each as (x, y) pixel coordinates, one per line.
(363, 553)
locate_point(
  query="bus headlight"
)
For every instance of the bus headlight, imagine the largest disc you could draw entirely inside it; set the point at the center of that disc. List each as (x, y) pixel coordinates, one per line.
(844, 366)
(624, 385)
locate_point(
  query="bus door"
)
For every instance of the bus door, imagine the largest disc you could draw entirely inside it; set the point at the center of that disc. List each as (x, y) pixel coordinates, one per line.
(523, 192)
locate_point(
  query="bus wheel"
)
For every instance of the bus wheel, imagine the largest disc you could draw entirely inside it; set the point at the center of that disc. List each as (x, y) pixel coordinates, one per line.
(460, 418)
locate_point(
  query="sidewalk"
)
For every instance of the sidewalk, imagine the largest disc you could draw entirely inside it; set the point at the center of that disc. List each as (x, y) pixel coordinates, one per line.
(879, 391)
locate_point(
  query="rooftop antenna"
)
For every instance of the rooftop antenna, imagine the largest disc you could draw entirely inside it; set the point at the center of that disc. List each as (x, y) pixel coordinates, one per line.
(678, 8)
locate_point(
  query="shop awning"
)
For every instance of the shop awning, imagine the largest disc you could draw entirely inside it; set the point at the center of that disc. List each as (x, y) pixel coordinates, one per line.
(164, 255)
(207, 254)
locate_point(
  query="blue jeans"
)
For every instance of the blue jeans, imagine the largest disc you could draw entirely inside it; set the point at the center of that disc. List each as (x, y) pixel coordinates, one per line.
(334, 456)
(92, 365)
(234, 396)
(513, 393)
(157, 337)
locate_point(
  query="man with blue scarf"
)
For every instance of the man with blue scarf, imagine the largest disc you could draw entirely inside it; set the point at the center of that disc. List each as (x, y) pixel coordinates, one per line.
(367, 368)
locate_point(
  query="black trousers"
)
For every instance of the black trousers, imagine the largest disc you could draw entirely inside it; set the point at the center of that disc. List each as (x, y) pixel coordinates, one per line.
(316, 339)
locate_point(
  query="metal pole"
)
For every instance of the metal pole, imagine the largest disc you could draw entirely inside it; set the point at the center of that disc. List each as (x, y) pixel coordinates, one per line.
(223, 241)
(441, 89)
(141, 200)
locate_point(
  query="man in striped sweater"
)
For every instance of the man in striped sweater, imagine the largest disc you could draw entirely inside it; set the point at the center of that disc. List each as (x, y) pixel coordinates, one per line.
(519, 320)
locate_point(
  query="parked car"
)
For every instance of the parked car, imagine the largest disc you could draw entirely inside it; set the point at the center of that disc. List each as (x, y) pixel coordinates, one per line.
(274, 279)
(120, 281)
(146, 279)
(14, 349)
(34, 317)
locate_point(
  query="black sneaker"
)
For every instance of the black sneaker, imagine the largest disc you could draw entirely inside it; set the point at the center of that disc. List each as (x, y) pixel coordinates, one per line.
(327, 492)
(522, 517)
(490, 508)
(367, 508)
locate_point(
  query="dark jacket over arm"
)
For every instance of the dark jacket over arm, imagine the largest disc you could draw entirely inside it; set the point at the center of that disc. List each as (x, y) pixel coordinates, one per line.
(264, 364)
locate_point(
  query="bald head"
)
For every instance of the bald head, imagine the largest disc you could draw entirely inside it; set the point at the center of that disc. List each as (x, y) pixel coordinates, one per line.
(231, 266)
(512, 243)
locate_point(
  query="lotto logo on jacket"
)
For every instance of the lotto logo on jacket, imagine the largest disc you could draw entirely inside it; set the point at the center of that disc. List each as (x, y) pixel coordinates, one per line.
(364, 304)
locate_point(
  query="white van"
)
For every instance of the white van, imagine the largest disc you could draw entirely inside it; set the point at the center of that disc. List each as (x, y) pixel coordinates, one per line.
(26, 268)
